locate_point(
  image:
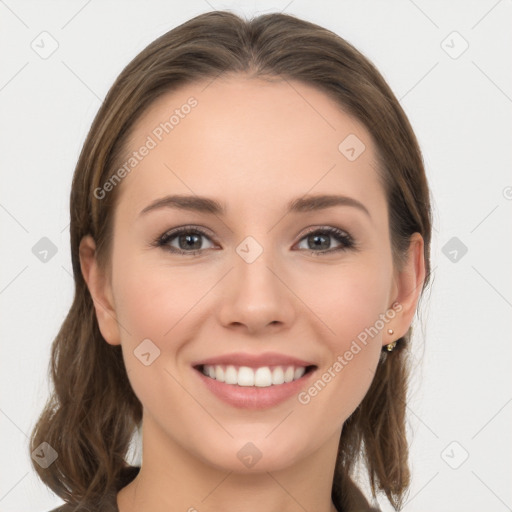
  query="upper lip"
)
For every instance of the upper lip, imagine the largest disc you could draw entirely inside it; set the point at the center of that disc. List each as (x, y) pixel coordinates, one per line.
(254, 360)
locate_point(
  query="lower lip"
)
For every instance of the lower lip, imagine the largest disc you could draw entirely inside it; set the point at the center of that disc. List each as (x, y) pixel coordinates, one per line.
(251, 397)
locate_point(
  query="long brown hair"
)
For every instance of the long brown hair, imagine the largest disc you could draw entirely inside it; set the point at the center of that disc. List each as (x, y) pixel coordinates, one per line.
(92, 414)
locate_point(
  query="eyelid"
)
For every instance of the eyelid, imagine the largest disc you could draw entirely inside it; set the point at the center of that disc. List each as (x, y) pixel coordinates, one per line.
(314, 229)
(189, 227)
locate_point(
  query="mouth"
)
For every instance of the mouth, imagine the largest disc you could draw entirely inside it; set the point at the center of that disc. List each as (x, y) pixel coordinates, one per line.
(254, 381)
(257, 387)
(256, 377)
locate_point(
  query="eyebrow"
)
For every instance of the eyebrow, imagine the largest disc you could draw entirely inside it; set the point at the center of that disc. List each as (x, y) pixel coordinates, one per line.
(211, 206)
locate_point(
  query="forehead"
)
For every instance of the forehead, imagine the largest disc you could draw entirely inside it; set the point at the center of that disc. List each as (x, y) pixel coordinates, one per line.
(244, 138)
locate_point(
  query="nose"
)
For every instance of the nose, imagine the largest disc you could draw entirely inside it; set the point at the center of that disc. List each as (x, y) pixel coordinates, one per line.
(256, 296)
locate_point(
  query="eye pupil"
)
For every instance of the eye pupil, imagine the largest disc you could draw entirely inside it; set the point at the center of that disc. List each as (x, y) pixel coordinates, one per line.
(189, 241)
(318, 243)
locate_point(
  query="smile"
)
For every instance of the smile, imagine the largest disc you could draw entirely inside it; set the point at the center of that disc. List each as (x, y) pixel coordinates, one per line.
(261, 377)
(257, 388)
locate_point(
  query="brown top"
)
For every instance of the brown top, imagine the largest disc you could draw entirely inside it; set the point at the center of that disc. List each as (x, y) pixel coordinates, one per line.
(358, 502)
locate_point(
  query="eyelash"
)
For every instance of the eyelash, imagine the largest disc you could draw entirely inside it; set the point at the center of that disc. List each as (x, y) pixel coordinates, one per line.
(347, 242)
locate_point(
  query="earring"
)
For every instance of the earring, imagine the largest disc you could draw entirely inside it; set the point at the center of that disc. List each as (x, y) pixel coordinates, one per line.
(392, 345)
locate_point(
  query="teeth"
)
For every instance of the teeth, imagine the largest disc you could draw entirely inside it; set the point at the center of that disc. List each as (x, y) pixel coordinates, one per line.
(231, 375)
(219, 374)
(245, 376)
(278, 376)
(260, 377)
(299, 372)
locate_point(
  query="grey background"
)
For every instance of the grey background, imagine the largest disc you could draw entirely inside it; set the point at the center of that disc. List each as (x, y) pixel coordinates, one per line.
(459, 102)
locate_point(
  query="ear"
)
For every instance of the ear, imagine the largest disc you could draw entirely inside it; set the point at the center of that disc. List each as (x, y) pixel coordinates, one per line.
(408, 284)
(101, 291)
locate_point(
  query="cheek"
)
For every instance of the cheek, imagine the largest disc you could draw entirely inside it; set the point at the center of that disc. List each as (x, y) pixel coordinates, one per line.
(150, 303)
(150, 306)
(350, 300)
(352, 306)
(160, 304)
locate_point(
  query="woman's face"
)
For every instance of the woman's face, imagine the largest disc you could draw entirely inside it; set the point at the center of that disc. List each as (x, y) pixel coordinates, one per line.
(271, 274)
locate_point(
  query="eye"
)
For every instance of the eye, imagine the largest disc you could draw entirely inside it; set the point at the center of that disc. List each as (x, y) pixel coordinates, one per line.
(184, 240)
(320, 239)
(187, 240)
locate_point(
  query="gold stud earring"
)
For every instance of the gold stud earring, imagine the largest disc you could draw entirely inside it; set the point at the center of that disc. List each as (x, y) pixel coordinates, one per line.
(392, 345)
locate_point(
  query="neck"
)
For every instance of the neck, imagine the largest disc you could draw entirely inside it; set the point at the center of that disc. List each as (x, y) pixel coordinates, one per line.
(172, 478)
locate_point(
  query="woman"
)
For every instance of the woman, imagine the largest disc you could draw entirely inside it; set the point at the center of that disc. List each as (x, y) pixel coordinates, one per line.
(250, 234)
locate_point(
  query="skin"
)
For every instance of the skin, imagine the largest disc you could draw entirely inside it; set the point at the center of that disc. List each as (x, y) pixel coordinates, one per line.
(253, 146)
